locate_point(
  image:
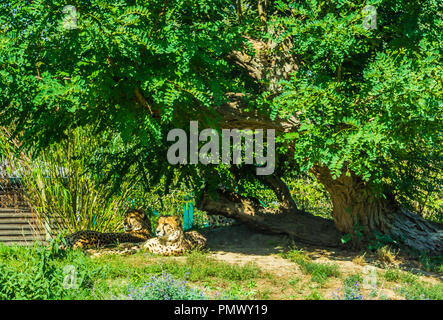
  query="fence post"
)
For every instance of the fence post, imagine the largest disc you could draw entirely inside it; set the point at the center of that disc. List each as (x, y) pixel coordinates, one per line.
(188, 213)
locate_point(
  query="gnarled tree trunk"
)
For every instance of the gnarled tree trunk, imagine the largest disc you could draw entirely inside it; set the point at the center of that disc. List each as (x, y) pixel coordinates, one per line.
(298, 225)
(357, 208)
(354, 203)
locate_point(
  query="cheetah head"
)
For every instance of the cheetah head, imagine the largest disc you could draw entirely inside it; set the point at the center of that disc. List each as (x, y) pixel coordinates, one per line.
(136, 221)
(169, 228)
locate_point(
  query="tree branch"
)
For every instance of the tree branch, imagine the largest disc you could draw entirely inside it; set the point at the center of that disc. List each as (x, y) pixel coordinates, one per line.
(141, 99)
(235, 117)
(303, 227)
(282, 192)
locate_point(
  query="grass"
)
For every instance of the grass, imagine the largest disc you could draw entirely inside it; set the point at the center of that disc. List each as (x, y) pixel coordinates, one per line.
(197, 266)
(166, 287)
(404, 284)
(421, 291)
(411, 287)
(386, 255)
(431, 263)
(360, 260)
(320, 272)
(314, 295)
(46, 273)
(38, 273)
(218, 278)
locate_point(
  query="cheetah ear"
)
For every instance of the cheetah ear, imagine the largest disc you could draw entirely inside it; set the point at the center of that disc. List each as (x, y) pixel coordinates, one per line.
(179, 221)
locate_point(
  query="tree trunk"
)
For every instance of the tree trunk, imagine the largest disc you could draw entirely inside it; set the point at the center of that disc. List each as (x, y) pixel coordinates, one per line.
(357, 209)
(299, 226)
(282, 192)
(355, 206)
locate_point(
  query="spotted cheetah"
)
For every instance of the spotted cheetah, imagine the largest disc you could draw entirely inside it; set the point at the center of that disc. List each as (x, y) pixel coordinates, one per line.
(137, 229)
(172, 240)
(216, 221)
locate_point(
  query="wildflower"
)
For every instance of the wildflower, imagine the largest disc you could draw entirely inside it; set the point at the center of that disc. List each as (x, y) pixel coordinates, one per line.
(165, 287)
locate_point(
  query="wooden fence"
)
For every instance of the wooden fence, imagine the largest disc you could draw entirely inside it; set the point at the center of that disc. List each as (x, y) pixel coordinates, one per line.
(18, 224)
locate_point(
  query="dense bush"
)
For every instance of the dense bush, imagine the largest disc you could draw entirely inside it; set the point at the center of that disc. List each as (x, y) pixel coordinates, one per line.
(40, 273)
(165, 287)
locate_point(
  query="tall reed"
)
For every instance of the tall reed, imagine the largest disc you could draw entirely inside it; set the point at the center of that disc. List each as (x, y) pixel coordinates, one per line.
(61, 191)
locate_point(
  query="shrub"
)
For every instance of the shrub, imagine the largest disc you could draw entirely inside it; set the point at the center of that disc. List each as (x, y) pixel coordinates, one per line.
(386, 255)
(40, 275)
(60, 189)
(165, 287)
(351, 290)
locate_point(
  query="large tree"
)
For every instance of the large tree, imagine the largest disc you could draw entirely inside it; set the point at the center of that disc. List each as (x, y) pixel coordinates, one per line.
(354, 99)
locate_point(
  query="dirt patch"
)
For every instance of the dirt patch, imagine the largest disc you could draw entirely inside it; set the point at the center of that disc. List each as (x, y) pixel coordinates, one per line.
(271, 264)
(240, 245)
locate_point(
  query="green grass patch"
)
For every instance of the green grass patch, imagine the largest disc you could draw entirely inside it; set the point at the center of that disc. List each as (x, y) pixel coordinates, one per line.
(412, 288)
(319, 272)
(38, 272)
(314, 295)
(196, 266)
(392, 275)
(421, 291)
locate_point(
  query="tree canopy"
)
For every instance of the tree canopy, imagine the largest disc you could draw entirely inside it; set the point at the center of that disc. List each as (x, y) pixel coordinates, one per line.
(360, 101)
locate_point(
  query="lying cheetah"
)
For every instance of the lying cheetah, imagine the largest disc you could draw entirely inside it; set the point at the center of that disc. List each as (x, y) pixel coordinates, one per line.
(137, 229)
(172, 240)
(216, 221)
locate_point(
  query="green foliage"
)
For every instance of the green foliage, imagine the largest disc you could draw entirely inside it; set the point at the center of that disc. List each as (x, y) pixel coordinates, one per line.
(412, 288)
(356, 235)
(165, 287)
(196, 267)
(431, 263)
(427, 199)
(310, 195)
(380, 240)
(320, 272)
(351, 290)
(62, 192)
(421, 291)
(367, 97)
(352, 279)
(369, 100)
(314, 295)
(38, 273)
(392, 275)
(62, 78)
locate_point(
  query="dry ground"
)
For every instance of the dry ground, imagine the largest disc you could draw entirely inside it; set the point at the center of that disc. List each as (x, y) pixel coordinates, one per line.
(240, 245)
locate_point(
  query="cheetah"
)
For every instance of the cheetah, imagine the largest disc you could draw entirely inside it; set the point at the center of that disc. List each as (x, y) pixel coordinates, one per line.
(216, 221)
(137, 229)
(172, 240)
